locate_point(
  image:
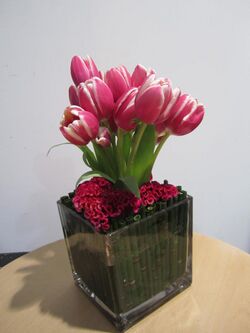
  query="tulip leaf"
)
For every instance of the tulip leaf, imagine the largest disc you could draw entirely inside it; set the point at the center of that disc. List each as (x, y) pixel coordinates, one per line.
(128, 183)
(59, 144)
(104, 163)
(144, 158)
(91, 174)
(86, 161)
(89, 158)
(127, 145)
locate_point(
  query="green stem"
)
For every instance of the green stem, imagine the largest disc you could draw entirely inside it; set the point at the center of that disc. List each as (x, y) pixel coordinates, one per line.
(115, 153)
(160, 145)
(120, 155)
(136, 143)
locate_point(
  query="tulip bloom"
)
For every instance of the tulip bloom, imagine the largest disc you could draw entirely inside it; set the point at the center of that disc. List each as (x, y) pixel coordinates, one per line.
(73, 95)
(124, 113)
(103, 137)
(79, 126)
(140, 74)
(152, 99)
(119, 81)
(96, 97)
(182, 115)
(83, 69)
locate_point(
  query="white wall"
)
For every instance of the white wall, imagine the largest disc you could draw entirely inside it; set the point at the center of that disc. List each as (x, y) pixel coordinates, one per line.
(201, 45)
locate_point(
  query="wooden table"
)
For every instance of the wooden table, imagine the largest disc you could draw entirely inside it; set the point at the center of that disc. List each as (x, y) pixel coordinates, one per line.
(37, 294)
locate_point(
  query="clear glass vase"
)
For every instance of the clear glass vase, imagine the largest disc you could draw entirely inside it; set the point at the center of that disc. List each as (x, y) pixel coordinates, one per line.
(129, 272)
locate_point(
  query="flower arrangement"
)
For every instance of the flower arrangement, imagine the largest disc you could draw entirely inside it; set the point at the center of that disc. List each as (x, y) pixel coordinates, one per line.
(127, 118)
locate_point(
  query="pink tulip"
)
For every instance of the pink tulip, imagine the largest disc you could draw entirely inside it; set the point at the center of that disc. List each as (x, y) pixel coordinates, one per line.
(83, 69)
(96, 97)
(140, 74)
(103, 137)
(171, 101)
(152, 99)
(119, 81)
(79, 126)
(124, 113)
(183, 115)
(73, 95)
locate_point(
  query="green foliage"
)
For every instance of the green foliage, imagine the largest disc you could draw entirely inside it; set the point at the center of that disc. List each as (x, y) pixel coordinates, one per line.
(91, 174)
(144, 158)
(129, 183)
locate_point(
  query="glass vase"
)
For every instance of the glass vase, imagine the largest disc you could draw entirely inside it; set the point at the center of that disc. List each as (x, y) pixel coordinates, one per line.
(131, 271)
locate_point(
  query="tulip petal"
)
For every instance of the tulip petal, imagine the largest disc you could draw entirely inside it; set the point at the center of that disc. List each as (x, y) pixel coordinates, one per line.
(148, 106)
(79, 126)
(140, 74)
(79, 70)
(93, 70)
(191, 121)
(73, 95)
(85, 99)
(125, 110)
(119, 81)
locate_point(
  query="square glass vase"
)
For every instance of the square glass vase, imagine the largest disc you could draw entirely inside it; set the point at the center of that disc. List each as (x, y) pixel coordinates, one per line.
(131, 271)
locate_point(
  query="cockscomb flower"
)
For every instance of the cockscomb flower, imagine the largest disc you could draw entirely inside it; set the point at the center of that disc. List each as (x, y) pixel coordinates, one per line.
(99, 201)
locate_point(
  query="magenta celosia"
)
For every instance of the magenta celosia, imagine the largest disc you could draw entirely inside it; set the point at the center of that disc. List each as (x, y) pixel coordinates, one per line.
(100, 201)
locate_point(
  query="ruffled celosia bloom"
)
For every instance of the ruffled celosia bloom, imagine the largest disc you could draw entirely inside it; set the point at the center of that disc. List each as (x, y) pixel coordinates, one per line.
(100, 201)
(140, 74)
(119, 81)
(83, 69)
(152, 99)
(78, 126)
(182, 115)
(96, 97)
(124, 113)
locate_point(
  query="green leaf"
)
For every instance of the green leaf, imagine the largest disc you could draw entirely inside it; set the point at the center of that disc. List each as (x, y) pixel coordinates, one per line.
(89, 156)
(144, 158)
(104, 163)
(59, 144)
(91, 174)
(85, 160)
(129, 183)
(127, 145)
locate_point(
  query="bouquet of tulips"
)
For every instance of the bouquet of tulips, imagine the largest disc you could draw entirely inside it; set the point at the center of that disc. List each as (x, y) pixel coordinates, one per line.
(127, 118)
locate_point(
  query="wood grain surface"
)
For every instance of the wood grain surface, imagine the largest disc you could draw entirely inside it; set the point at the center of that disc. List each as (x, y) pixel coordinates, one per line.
(37, 294)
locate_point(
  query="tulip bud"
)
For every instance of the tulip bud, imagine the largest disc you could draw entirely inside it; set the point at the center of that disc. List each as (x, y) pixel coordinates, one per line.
(103, 137)
(124, 113)
(152, 98)
(73, 95)
(79, 126)
(140, 74)
(119, 81)
(83, 69)
(96, 97)
(183, 116)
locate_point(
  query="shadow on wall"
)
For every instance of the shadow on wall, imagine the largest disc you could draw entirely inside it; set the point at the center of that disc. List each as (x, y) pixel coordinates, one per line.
(49, 282)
